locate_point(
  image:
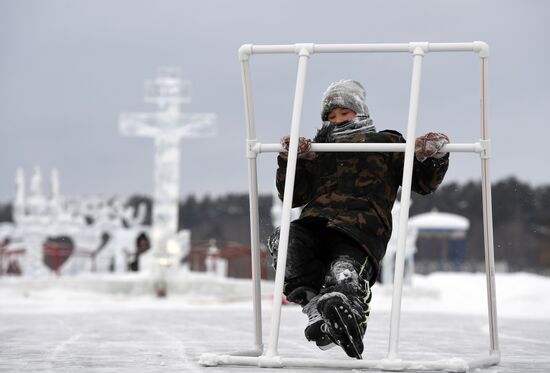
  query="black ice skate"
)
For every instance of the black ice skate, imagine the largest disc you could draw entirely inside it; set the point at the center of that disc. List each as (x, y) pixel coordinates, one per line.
(315, 330)
(342, 323)
(344, 306)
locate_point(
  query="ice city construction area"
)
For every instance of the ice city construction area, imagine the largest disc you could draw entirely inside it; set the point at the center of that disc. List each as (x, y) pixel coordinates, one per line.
(113, 323)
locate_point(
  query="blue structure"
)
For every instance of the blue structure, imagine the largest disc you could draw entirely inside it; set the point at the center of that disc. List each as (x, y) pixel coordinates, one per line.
(440, 241)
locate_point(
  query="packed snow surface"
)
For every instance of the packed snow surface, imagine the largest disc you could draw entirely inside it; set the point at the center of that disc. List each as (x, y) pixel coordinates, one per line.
(115, 324)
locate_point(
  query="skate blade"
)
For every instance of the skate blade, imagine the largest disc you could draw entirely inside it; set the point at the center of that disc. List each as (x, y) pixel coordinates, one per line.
(348, 335)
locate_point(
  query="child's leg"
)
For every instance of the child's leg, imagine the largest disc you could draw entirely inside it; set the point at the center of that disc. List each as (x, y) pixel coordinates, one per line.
(304, 265)
(304, 275)
(342, 248)
(344, 305)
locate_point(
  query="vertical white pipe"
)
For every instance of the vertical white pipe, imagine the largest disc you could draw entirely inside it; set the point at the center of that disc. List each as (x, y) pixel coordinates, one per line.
(488, 214)
(405, 204)
(254, 212)
(287, 203)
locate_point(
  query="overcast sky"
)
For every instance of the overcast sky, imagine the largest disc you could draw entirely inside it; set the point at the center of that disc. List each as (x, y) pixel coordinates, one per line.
(69, 68)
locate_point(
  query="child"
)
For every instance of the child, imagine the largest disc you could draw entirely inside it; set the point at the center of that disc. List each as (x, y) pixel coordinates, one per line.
(336, 245)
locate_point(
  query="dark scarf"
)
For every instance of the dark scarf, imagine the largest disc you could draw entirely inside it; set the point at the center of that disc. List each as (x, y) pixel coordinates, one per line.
(330, 132)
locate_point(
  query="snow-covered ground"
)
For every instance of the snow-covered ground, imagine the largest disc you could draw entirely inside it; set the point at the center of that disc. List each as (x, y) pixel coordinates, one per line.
(114, 324)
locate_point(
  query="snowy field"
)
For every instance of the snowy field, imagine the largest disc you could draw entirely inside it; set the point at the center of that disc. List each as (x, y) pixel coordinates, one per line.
(111, 324)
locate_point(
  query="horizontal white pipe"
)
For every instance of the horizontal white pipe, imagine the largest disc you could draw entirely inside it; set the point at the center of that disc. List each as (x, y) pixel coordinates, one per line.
(449, 365)
(361, 48)
(477, 46)
(256, 352)
(369, 147)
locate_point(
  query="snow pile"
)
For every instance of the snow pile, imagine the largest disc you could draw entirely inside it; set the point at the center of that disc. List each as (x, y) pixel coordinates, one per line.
(124, 291)
(519, 295)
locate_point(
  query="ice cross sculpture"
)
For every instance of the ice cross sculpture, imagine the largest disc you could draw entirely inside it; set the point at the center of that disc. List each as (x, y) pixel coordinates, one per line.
(167, 126)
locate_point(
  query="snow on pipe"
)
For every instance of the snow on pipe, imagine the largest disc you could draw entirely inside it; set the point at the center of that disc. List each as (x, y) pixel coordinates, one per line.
(450, 365)
(480, 47)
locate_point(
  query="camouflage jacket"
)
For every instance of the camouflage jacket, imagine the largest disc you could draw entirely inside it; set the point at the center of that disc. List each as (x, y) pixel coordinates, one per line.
(355, 191)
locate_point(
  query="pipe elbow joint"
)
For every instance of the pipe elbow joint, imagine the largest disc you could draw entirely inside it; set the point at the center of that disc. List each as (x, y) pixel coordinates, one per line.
(245, 51)
(482, 48)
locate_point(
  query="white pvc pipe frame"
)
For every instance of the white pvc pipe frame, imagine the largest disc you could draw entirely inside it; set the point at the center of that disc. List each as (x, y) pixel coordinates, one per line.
(271, 357)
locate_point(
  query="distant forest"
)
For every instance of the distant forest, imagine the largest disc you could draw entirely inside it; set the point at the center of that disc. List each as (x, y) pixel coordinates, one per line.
(521, 219)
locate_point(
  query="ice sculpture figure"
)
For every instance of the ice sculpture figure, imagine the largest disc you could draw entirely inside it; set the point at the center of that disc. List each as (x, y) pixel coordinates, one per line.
(167, 126)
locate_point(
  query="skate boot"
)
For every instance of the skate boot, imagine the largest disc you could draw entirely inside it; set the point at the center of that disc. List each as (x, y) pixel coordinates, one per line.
(344, 306)
(315, 330)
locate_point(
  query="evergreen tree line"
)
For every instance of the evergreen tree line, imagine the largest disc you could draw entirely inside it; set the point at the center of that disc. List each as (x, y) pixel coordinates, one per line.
(521, 219)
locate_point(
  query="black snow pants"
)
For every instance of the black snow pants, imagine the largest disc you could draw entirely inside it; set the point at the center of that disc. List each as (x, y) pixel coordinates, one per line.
(312, 248)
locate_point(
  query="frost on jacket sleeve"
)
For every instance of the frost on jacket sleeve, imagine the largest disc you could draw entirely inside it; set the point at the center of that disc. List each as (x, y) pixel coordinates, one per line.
(303, 183)
(427, 175)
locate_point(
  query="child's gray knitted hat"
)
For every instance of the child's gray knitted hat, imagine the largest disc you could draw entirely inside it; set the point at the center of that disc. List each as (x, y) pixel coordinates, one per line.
(348, 94)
